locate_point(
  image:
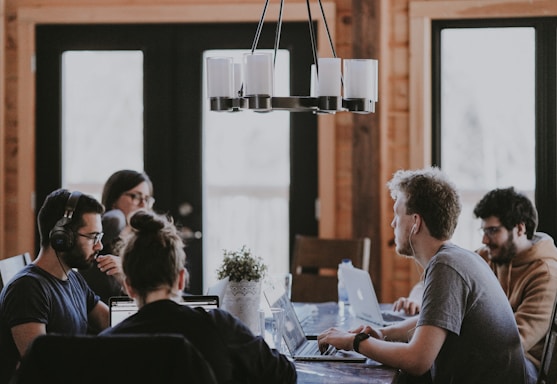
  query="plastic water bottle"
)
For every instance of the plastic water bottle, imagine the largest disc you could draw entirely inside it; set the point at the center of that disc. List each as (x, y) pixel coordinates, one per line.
(342, 293)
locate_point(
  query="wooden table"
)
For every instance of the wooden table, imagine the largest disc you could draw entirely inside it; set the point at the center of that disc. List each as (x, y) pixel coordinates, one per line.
(317, 317)
(341, 373)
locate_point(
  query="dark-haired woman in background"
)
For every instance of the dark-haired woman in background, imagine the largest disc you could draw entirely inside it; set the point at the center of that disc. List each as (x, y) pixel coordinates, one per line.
(153, 261)
(124, 192)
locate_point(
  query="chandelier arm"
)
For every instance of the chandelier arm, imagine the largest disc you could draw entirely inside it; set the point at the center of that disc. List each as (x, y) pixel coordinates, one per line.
(327, 29)
(312, 37)
(278, 32)
(259, 27)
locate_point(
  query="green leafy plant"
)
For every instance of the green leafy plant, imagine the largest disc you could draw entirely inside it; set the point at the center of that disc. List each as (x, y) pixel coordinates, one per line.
(241, 265)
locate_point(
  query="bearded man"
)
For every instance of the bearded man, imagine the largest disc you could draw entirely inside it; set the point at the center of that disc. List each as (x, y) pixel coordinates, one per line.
(524, 261)
(48, 295)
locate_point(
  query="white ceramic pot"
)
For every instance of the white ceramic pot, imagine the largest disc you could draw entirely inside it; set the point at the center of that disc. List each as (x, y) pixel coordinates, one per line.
(242, 299)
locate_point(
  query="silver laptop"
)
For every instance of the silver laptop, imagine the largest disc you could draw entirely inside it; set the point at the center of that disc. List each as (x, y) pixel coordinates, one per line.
(363, 300)
(122, 307)
(298, 345)
(218, 289)
(10, 266)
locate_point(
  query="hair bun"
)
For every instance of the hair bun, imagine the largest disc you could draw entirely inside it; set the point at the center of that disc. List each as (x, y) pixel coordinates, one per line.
(145, 221)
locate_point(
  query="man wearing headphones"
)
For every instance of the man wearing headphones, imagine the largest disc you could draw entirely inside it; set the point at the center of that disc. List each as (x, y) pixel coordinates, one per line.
(48, 296)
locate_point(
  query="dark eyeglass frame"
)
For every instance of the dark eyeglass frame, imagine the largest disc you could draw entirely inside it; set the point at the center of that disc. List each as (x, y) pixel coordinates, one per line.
(96, 237)
(491, 231)
(138, 198)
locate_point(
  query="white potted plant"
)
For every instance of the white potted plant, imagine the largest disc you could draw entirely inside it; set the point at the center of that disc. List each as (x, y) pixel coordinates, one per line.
(245, 273)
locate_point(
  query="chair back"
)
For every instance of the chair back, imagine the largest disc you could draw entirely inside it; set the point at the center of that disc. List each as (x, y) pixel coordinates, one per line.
(548, 368)
(12, 265)
(118, 359)
(315, 265)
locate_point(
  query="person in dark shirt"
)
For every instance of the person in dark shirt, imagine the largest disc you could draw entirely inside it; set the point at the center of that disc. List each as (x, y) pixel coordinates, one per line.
(48, 296)
(153, 262)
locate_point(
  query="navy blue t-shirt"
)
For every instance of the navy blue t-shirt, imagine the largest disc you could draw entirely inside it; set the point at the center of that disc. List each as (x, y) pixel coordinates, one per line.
(35, 296)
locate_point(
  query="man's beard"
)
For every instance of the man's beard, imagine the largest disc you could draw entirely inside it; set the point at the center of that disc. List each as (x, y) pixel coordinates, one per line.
(507, 252)
(406, 248)
(75, 258)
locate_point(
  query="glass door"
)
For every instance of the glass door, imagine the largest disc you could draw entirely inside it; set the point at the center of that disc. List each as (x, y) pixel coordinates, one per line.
(102, 117)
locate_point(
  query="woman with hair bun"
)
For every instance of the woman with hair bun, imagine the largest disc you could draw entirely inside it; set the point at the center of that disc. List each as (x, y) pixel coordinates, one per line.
(153, 262)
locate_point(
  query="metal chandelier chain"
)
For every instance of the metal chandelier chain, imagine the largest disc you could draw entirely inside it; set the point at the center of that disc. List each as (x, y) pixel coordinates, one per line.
(313, 35)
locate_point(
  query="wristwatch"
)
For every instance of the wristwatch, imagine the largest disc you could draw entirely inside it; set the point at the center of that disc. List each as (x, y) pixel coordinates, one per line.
(358, 339)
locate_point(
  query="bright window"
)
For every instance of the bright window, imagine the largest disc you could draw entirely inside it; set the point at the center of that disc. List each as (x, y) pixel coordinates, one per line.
(246, 179)
(487, 105)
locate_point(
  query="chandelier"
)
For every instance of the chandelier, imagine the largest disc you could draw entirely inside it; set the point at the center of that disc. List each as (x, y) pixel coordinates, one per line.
(249, 85)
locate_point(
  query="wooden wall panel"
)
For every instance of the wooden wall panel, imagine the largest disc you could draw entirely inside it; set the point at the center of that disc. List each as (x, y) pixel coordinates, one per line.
(366, 144)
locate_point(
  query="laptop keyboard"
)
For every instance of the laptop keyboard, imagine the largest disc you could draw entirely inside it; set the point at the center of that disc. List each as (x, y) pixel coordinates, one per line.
(312, 349)
(391, 317)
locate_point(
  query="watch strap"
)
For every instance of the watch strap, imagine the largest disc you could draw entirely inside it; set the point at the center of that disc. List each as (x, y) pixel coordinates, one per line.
(358, 339)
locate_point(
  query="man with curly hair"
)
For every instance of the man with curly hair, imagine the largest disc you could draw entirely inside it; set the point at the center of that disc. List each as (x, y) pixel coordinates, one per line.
(524, 261)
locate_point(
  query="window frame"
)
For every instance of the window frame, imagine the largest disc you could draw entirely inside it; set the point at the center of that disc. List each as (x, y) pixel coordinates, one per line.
(425, 17)
(545, 118)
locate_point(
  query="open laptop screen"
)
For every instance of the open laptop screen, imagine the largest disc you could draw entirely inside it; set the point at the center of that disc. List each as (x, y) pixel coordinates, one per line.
(121, 307)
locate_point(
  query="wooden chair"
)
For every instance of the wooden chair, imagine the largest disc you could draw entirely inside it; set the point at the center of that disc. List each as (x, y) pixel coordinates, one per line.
(548, 369)
(118, 359)
(12, 265)
(315, 265)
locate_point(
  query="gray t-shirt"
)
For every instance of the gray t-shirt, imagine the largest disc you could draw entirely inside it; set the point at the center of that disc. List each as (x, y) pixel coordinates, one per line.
(462, 295)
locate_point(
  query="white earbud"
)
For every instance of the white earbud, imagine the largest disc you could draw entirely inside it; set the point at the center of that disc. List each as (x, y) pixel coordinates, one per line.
(413, 230)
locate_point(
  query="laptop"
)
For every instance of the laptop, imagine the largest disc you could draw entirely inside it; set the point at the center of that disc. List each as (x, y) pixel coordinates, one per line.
(363, 300)
(10, 266)
(298, 345)
(218, 289)
(122, 307)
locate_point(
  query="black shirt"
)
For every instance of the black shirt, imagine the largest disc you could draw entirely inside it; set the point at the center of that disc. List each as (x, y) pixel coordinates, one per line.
(234, 353)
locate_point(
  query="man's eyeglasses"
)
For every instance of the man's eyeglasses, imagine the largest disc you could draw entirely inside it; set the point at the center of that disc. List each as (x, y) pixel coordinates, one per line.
(491, 231)
(96, 237)
(137, 198)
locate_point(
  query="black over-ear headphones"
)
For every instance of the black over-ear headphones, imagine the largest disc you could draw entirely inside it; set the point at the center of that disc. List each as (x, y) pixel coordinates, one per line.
(61, 237)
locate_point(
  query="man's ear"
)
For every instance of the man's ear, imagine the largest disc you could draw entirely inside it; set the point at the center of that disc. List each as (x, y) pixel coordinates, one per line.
(417, 222)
